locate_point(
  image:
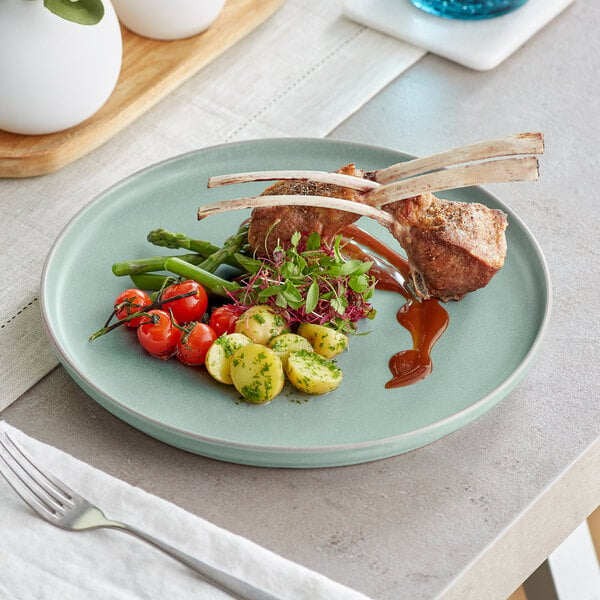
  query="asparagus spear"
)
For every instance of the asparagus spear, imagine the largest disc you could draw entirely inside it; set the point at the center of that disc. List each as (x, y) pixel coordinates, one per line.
(142, 278)
(215, 284)
(167, 239)
(207, 255)
(153, 263)
(233, 244)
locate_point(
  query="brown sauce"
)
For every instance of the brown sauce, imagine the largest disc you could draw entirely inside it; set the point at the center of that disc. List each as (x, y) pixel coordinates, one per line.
(426, 320)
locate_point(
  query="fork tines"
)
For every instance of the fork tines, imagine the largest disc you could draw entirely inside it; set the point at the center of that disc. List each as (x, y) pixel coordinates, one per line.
(37, 488)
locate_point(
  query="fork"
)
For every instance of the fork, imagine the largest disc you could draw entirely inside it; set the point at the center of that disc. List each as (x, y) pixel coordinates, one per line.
(58, 504)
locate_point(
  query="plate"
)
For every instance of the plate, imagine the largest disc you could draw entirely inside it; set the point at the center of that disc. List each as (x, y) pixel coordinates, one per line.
(492, 339)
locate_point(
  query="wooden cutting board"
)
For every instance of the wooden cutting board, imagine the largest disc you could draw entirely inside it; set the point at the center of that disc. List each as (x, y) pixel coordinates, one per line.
(151, 70)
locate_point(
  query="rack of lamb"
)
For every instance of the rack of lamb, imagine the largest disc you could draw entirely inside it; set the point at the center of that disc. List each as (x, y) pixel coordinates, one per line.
(452, 248)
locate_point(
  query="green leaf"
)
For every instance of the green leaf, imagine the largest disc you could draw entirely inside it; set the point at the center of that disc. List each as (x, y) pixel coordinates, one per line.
(83, 12)
(328, 264)
(359, 283)
(365, 266)
(312, 297)
(350, 267)
(272, 290)
(339, 304)
(368, 293)
(302, 264)
(289, 270)
(281, 301)
(292, 295)
(336, 249)
(250, 265)
(314, 241)
(295, 239)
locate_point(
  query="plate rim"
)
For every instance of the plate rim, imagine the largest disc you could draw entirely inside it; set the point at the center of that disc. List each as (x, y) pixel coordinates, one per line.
(474, 409)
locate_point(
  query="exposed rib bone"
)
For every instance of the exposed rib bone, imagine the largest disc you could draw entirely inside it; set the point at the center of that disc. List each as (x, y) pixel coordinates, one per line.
(358, 208)
(495, 171)
(512, 145)
(347, 181)
(519, 144)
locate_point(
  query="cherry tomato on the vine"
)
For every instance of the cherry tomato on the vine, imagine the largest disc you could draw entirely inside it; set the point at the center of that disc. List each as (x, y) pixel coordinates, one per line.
(194, 344)
(223, 318)
(190, 308)
(129, 302)
(158, 335)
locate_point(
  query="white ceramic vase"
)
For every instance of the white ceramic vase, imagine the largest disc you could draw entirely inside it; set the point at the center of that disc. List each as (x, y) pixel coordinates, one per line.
(168, 19)
(54, 73)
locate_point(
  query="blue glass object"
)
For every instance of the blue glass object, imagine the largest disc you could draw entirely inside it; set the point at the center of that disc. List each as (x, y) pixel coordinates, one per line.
(468, 9)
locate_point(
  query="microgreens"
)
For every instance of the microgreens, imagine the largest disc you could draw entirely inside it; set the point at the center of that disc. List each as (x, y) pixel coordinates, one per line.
(311, 281)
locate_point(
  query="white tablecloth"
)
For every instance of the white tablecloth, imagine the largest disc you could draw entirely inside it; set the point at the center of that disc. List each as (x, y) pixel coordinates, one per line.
(42, 562)
(300, 74)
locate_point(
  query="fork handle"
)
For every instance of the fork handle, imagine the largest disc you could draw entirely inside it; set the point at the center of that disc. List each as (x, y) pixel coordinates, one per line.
(235, 587)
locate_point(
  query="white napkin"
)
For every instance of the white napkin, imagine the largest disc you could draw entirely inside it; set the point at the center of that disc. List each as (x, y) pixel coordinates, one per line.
(42, 562)
(301, 73)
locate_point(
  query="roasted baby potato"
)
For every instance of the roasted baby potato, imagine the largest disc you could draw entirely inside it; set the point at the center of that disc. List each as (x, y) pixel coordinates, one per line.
(309, 372)
(285, 343)
(257, 373)
(261, 324)
(218, 357)
(325, 341)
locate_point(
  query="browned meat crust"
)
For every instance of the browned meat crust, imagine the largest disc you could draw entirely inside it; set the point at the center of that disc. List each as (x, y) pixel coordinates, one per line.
(452, 247)
(270, 227)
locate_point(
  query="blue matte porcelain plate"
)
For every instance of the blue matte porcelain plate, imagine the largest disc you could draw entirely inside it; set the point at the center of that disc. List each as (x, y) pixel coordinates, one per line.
(492, 339)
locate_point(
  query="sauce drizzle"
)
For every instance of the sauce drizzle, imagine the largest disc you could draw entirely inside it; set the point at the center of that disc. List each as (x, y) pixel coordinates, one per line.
(426, 320)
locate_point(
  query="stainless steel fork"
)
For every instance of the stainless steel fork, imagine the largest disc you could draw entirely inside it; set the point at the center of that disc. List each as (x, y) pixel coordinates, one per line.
(60, 505)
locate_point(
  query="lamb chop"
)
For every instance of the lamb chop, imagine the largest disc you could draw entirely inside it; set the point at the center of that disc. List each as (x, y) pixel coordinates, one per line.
(272, 226)
(452, 247)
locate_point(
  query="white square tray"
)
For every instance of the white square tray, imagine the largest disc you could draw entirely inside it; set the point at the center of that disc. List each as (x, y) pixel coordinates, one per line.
(478, 44)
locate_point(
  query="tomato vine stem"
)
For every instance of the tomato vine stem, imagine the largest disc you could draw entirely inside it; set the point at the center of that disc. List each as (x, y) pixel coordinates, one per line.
(158, 303)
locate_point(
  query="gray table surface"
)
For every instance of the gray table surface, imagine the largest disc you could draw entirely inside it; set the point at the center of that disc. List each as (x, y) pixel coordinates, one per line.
(473, 514)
